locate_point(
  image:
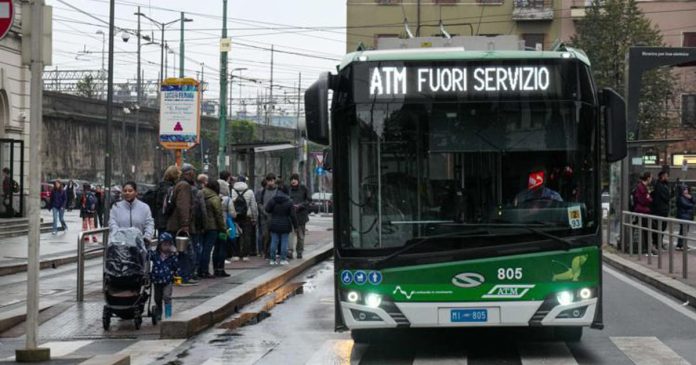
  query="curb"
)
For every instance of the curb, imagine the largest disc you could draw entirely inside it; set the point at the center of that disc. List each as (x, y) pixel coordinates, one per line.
(115, 359)
(673, 287)
(50, 263)
(194, 321)
(16, 316)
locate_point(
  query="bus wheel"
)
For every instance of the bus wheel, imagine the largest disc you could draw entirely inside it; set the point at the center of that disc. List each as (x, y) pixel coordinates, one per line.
(568, 334)
(364, 336)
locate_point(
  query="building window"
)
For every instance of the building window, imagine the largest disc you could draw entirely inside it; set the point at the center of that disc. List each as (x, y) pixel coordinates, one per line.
(689, 110)
(388, 2)
(490, 2)
(445, 2)
(689, 39)
(532, 39)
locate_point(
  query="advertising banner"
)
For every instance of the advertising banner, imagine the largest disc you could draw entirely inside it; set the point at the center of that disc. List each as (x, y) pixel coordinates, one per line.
(180, 113)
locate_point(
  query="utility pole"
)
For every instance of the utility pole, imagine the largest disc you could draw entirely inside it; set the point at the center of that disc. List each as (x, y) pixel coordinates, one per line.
(31, 352)
(298, 135)
(137, 110)
(181, 47)
(222, 133)
(270, 100)
(109, 113)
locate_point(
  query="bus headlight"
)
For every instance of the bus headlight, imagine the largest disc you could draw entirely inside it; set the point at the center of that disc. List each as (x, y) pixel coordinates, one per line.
(585, 293)
(353, 297)
(564, 297)
(373, 300)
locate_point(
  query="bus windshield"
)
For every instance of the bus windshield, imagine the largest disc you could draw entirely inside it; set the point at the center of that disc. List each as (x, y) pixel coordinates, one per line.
(430, 169)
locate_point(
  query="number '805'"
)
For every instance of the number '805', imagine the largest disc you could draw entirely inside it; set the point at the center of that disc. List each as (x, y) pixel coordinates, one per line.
(510, 273)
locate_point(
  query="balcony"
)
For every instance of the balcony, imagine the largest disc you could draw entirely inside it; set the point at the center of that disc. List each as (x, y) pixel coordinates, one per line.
(532, 10)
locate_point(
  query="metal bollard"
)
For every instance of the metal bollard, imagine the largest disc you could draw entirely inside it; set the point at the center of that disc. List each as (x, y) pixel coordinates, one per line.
(671, 249)
(80, 292)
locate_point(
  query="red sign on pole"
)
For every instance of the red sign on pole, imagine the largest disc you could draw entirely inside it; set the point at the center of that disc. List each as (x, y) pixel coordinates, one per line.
(6, 17)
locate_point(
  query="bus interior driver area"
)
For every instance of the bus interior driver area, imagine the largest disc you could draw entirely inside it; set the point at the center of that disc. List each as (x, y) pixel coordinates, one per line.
(467, 175)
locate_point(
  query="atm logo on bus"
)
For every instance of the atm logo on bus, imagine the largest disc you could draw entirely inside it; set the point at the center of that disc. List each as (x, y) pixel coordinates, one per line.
(468, 280)
(508, 291)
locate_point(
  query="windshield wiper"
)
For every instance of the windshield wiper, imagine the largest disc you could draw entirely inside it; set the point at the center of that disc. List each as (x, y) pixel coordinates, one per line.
(422, 240)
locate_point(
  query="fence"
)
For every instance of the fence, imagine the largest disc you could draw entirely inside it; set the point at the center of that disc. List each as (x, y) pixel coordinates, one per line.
(649, 231)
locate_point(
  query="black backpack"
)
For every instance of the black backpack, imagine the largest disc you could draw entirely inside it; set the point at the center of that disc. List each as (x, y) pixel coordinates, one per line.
(632, 200)
(150, 198)
(91, 203)
(168, 204)
(240, 205)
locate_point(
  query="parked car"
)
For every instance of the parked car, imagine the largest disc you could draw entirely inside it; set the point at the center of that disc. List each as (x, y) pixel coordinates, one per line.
(45, 194)
(321, 202)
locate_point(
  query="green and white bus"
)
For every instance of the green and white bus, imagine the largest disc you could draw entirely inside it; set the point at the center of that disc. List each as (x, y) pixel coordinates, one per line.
(466, 187)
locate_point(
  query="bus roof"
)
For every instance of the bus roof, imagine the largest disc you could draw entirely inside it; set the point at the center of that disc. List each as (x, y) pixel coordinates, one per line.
(457, 53)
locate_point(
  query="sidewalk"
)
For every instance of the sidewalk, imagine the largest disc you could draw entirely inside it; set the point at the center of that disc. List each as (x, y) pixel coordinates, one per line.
(655, 270)
(54, 250)
(70, 320)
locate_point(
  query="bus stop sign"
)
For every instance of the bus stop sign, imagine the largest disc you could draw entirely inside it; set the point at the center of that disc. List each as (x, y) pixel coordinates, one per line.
(6, 17)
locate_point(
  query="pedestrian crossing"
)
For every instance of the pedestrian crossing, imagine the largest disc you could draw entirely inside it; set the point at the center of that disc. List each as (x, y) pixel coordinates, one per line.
(638, 350)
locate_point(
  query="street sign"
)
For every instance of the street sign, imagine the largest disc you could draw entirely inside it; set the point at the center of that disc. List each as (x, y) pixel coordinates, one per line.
(180, 113)
(6, 17)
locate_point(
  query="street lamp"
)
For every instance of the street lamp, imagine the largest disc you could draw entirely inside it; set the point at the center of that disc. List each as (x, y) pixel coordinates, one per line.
(161, 26)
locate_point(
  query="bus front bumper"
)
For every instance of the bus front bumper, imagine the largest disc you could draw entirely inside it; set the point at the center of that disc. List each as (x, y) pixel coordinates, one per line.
(468, 314)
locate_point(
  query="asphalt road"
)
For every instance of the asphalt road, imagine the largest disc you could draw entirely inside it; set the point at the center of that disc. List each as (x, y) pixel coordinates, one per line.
(642, 327)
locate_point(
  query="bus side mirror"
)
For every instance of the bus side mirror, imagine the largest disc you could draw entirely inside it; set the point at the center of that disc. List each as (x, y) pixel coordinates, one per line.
(614, 112)
(317, 110)
(328, 160)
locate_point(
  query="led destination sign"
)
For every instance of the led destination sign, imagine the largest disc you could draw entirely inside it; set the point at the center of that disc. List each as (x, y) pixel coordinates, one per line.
(394, 81)
(478, 80)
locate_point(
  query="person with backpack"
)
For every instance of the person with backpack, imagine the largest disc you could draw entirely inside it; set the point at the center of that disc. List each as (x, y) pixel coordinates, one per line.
(244, 210)
(162, 195)
(282, 222)
(131, 212)
(178, 208)
(641, 204)
(88, 209)
(685, 211)
(300, 199)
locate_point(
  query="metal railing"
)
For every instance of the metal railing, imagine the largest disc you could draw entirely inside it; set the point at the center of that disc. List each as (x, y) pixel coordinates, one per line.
(645, 227)
(81, 258)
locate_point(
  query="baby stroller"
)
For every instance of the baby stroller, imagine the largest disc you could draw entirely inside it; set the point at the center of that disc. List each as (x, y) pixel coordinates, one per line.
(126, 277)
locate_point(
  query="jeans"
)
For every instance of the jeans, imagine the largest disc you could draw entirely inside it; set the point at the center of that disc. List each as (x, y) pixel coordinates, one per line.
(281, 238)
(683, 231)
(209, 239)
(657, 238)
(259, 240)
(197, 240)
(244, 241)
(58, 216)
(219, 255)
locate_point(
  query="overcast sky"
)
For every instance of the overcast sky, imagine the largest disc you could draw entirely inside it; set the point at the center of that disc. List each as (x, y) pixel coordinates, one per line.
(259, 23)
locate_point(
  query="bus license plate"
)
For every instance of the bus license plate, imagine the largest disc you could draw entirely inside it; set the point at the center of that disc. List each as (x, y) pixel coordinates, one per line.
(469, 315)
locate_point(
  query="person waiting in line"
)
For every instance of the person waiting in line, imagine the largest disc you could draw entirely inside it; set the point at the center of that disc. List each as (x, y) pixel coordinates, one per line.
(88, 209)
(56, 205)
(180, 220)
(300, 199)
(685, 211)
(215, 232)
(642, 200)
(282, 222)
(131, 212)
(266, 195)
(258, 234)
(244, 210)
(169, 179)
(660, 206)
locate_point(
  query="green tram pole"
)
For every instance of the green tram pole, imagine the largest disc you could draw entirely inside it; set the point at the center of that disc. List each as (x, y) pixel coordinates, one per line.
(222, 133)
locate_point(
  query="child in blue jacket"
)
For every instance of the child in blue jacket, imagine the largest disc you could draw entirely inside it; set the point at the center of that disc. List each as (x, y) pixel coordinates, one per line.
(165, 266)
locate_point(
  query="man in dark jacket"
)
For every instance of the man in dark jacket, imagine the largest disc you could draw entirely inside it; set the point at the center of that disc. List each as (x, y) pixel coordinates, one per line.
(181, 219)
(660, 204)
(685, 211)
(282, 222)
(642, 204)
(300, 200)
(263, 198)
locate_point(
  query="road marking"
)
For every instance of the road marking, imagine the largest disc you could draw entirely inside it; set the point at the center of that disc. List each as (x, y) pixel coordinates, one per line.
(60, 348)
(335, 352)
(653, 293)
(549, 353)
(147, 351)
(648, 351)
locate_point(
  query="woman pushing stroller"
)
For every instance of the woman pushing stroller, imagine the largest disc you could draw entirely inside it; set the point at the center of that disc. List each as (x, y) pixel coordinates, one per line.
(132, 213)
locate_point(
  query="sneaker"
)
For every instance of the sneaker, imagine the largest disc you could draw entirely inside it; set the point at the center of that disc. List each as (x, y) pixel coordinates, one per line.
(236, 258)
(679, 248)
(228, 262)
(245, 259)
(272, 262)
(299, 255)
(189, 283)
(193, 281)
(284, 262)
(53, 233)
